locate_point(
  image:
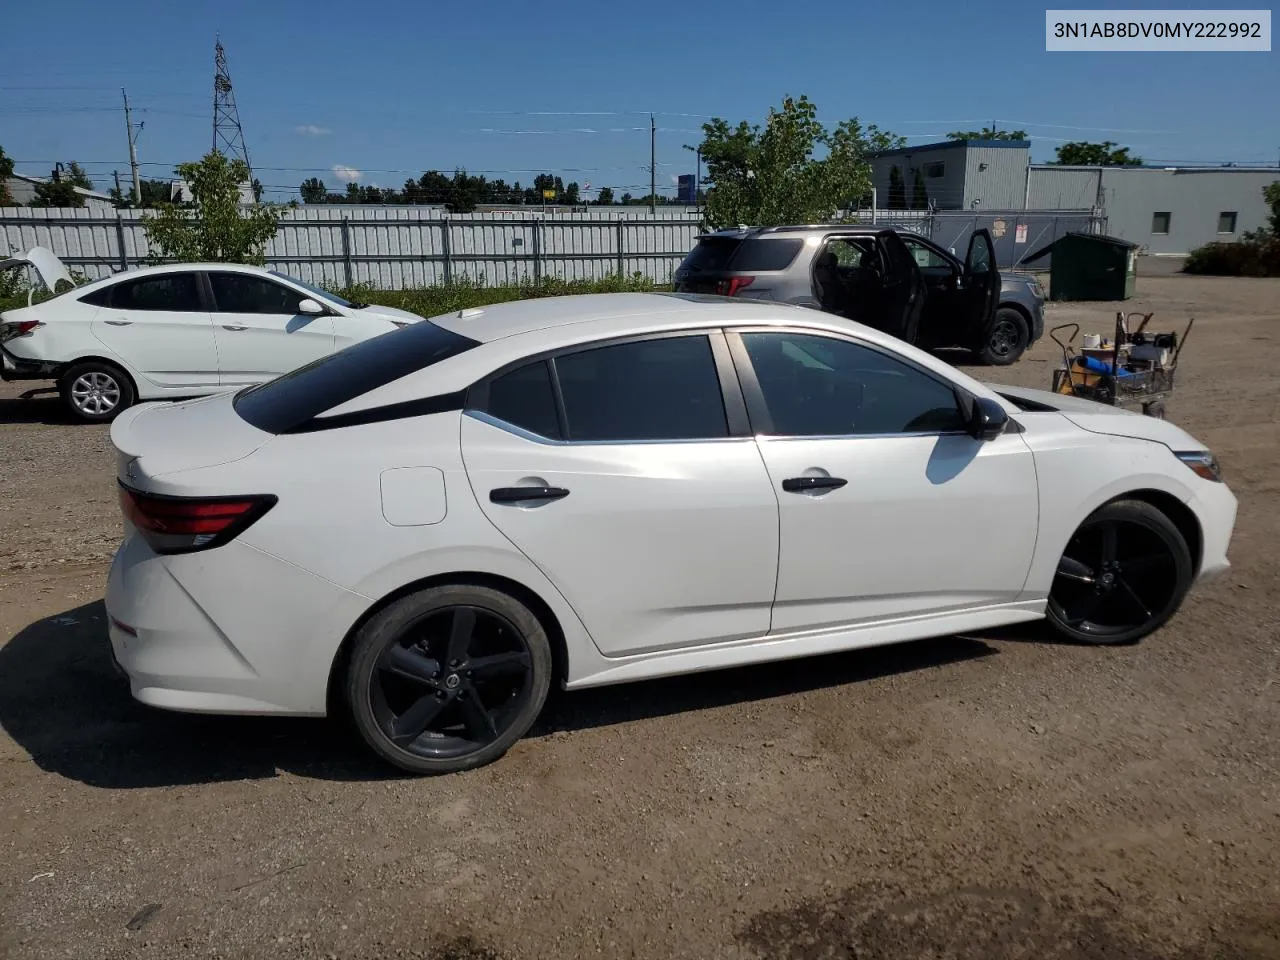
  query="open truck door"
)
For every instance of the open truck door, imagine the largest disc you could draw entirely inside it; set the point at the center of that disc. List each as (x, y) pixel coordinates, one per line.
(981, 285)
(904, 292)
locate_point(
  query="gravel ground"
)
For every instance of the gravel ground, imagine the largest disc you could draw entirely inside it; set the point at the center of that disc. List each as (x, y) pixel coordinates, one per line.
(967, 797)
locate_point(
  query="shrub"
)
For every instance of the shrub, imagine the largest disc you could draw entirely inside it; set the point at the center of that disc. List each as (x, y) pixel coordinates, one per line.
(461, 294)
(1253, 256)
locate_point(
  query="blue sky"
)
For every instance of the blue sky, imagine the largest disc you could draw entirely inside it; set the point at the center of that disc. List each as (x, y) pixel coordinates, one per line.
(390, 87)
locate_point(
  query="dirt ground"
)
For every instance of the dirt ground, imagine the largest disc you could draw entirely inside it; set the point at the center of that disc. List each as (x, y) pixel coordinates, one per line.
(967, 797)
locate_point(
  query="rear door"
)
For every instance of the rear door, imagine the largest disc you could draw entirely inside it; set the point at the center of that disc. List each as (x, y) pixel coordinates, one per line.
(260, 333)
(160, 325)
(616, 470)
(981, 284)
(903, 288)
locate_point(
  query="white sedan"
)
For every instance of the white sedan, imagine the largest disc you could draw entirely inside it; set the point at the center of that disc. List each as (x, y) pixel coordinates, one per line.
(180, 330)
(430, 528)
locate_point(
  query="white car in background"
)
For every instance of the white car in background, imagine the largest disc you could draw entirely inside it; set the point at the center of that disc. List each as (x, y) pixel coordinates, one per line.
(430, 528)
(180, 330)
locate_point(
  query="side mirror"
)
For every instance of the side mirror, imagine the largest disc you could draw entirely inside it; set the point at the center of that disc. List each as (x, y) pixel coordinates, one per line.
(986, 419)
(310, 307)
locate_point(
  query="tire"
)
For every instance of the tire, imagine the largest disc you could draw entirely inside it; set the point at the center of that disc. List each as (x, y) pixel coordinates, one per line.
(96, 392)
(390, 686)
(1007, 339)
(1130, 595)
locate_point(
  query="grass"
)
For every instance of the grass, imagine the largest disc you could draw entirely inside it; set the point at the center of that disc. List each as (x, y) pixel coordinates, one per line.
(450, 297)
(447, 298)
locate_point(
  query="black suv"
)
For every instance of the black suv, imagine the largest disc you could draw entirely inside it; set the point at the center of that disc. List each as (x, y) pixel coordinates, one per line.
(891, 279)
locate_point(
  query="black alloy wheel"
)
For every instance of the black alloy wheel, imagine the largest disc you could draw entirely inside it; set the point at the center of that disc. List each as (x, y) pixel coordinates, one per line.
(449, 679)
(1122, 575)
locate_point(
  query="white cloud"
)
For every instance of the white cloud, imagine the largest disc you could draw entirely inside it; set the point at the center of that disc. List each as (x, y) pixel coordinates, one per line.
(346, 174)
(311, 130)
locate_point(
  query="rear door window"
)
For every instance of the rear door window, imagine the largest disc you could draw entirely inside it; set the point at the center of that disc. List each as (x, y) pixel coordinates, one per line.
(171, 292)
(646, 390)
(525, 398)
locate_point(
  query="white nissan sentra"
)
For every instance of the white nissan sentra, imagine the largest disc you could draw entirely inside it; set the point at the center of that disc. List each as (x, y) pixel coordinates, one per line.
(429, 528)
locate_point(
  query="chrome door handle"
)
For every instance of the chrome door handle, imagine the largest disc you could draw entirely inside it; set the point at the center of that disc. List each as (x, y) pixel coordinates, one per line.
(232, 326)
(118, 323)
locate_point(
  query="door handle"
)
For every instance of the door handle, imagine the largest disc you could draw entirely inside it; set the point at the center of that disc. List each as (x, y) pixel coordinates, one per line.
(805, 484)
(118, 323)
(233, 326)
(520, 494)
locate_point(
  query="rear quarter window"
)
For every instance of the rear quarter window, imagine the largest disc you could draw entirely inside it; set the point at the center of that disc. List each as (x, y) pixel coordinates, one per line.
(760, 255)
(291, 402)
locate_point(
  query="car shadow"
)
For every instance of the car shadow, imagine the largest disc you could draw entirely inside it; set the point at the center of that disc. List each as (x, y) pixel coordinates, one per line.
(40, 408)
(62, 701)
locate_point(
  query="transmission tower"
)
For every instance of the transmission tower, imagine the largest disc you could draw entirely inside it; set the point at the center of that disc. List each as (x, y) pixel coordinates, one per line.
(228, 135)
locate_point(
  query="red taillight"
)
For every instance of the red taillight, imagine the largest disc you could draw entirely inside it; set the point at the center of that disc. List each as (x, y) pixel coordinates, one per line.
(183, 524)
(10, 331)
(727, 288)
(26, 326)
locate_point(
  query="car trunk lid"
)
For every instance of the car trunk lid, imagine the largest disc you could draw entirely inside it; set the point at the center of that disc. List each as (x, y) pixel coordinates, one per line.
(160, 438)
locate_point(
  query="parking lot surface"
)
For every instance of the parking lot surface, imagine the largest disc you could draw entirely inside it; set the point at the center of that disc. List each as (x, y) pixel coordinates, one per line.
(966, 797)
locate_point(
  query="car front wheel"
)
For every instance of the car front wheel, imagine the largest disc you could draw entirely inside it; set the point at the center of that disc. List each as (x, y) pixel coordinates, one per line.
(1122, 575)
(447, 679)
(96, 392)
(1008, 338)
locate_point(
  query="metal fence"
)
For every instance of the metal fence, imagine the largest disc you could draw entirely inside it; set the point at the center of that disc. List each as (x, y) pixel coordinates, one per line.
(403, 247)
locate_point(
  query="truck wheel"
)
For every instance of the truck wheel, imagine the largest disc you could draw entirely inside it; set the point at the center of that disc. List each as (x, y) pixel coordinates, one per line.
(1007, 340)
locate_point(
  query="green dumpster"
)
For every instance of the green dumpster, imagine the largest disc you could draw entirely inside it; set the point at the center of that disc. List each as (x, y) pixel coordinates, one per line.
(1090, 266)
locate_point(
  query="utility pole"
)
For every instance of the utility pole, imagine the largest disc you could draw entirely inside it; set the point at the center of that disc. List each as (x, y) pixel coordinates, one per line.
(133, 151)
(653, 166)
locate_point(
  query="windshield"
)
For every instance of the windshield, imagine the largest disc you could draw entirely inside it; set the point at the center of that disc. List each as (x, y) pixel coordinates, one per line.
(320, 291)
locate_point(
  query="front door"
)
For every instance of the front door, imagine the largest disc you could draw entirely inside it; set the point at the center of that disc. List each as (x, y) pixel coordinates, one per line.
(260, 332)
(943, 317)
(981, 285)
(158, 324)
(887, 507)
(633, 497)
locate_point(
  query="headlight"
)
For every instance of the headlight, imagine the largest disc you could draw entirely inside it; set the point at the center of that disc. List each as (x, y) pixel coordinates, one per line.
(1037, 291)
(1204, 463)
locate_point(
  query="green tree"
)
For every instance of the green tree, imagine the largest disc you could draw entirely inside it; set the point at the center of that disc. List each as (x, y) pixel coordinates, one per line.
(6, 171)
(57, 192)
(772, 175)
(154, 193)
(215, 226)
(313, 190)
(987, 133)
(571, 194)
(1105, 154)
(77, 175)
(897, 190)
(919, 193)
(1271, 194)
(257, 190)
(626, 199)
(605, 197)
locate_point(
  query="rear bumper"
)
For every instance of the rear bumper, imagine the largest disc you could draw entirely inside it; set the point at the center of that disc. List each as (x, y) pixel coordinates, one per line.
(228, 630)
(13, 367)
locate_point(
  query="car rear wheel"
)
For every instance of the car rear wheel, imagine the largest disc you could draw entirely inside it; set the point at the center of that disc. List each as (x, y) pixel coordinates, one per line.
(96, 392)
(1008, 338)
(1122, 575)
(447, 679)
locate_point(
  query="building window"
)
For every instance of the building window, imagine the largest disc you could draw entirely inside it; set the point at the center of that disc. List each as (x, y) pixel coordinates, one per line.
(1160, 222)
(1227, 221)
(935, 170)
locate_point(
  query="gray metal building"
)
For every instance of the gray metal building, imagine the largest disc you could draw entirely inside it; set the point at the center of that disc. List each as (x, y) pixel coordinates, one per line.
(1169, 210)
(1164, 210)
(958, 174)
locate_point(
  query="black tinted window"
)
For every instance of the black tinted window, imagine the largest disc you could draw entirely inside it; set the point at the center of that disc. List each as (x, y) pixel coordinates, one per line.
(821, 386)
(711, 253)
(245, 293)
(99, 298)
(166, 291)
(765, 255)
(664, 389)
(525, 398)
(288, 402)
